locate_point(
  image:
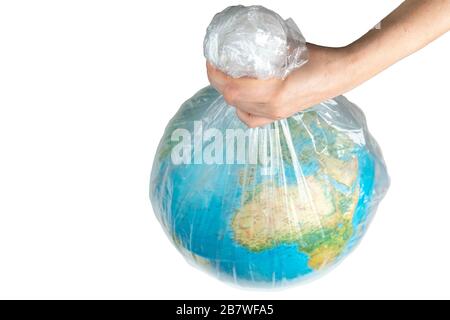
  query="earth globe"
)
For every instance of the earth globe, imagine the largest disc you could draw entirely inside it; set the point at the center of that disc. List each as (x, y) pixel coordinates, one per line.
(271, 205)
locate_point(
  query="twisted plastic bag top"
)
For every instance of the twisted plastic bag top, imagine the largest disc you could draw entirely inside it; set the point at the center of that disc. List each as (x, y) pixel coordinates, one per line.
(269, 205)
(254, 42)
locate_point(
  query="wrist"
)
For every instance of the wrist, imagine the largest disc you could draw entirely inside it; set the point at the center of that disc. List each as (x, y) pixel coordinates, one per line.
(329, 72)
(370, 55)
(354, 66)
(334, 70)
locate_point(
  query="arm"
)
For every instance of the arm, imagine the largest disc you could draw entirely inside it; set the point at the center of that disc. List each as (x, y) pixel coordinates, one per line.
(333, 71)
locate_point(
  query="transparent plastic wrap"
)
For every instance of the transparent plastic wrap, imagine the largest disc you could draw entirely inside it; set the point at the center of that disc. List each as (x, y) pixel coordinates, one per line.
(268, 205)
(254, 42)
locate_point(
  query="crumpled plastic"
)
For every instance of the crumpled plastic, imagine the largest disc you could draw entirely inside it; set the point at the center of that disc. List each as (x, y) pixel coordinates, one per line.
(254, 42)
(271, 205)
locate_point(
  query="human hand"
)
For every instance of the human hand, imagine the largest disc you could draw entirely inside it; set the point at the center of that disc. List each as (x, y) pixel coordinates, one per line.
(334, 71)
(259, 102)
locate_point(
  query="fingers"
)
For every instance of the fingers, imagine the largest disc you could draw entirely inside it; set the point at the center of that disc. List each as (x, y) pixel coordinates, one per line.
(254, 96)
(251, 120)
(242, 89)
(254, 99)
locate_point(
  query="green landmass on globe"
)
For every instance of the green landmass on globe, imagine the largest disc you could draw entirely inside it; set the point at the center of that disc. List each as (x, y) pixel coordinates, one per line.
(317, 221)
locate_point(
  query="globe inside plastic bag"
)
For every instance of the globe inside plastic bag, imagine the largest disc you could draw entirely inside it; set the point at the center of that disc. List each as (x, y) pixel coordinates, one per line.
(270, 205)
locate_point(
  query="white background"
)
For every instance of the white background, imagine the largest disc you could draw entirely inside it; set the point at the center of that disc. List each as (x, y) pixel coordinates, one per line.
(86, 88)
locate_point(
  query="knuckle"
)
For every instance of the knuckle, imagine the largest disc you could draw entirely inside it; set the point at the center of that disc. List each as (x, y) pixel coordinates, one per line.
(277, 110)
(277, 114)
(276, 100)
(240, 116)
(230, 95)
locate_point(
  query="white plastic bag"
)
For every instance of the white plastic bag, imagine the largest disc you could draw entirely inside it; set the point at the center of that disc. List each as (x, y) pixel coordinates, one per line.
(267, 205)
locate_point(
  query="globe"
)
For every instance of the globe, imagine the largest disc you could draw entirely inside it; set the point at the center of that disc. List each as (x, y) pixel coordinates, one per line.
(287, 203)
